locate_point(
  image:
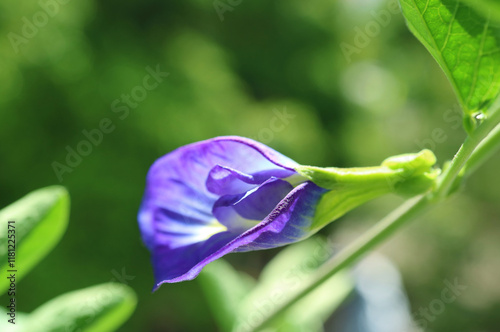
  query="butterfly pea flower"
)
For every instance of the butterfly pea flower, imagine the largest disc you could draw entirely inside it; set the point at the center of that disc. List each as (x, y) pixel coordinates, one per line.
(232, 194)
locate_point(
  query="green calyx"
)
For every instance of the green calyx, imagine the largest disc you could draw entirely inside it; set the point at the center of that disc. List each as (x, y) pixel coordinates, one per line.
(406, 175)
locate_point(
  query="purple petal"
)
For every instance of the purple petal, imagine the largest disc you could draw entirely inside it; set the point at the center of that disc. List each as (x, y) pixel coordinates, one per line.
(289, 222)
(255, 204)
(176, 191)
(241, 212)
(224, 180)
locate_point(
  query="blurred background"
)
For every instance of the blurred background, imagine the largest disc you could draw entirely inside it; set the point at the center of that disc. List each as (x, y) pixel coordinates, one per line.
(326, 82)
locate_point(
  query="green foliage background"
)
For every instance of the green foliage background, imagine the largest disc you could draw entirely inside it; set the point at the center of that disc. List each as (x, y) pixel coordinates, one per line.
(230, 77)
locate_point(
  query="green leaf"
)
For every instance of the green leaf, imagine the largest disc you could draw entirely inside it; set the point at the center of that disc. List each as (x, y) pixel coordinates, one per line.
(101, 308)
(488, 8)
(464, 43)
(283, 277)
(224, 288)
(40, 219)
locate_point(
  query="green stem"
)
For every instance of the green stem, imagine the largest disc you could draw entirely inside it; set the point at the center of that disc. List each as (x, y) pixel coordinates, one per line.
(354, 251)
(465, 152)
(484, 151)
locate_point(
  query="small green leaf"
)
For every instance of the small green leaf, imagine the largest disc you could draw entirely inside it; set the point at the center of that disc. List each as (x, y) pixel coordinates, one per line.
(464, 43)
(101, 308)
(283, 277)
(224, 288)
(40, 219)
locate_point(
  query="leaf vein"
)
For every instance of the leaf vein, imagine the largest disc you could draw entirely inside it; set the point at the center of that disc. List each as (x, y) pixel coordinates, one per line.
(426, 6)
(450, 26)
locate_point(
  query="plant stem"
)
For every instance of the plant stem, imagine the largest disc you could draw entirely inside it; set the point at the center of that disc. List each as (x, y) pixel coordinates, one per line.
(355, 250)
(465, 152)
(484, 151)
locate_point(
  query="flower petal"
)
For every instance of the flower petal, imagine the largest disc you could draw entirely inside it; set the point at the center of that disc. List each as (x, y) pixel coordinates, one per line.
(289, 222)
(241, 212)
(176, 191)
(255, 204)
(223, 180)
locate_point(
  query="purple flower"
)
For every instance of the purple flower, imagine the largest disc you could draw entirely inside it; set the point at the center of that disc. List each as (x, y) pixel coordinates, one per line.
(222, 195)
(232, 194)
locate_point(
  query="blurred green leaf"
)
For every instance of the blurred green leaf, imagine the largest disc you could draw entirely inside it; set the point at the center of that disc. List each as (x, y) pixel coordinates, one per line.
(488, 8)
(225, 289)
(283, 277)
(101, 308)
(465, 44)
(40, 219)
